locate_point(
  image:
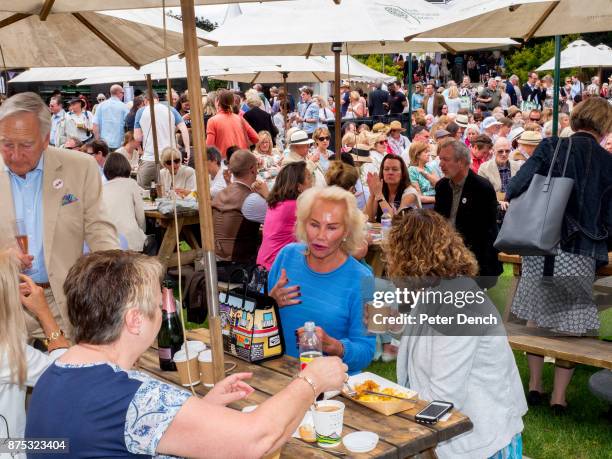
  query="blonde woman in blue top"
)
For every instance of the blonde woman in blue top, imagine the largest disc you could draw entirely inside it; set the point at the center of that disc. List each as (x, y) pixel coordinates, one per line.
(317, 279)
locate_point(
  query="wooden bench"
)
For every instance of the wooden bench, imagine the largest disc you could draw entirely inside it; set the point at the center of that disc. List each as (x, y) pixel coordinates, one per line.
(566, 350)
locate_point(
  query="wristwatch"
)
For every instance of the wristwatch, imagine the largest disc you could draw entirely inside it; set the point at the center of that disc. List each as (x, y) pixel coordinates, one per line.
(53, 336)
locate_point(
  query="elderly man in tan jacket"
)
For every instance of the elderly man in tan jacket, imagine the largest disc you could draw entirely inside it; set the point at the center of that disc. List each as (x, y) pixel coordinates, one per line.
(56, 195)
(499, 169)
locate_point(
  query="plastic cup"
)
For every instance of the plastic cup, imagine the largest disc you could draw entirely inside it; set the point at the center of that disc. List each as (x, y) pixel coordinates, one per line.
(206, 368)
(189, 373)
(328, 416)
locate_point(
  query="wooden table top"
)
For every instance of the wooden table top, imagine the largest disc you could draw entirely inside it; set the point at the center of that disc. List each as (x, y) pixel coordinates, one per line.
(399, 435)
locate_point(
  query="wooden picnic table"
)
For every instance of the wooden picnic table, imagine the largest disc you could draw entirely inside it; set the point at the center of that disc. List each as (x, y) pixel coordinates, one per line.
(400, 436)
(168, 249)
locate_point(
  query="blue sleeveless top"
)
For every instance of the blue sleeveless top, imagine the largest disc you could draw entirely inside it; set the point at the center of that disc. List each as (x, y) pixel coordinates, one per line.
(103, 410)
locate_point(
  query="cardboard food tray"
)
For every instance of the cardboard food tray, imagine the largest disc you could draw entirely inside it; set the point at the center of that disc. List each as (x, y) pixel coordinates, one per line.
(387, 408)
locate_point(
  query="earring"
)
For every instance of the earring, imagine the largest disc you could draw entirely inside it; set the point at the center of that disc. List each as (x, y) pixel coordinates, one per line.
(343, 239)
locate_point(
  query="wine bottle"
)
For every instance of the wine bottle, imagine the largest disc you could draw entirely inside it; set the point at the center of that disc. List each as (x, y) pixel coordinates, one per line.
(170, 336)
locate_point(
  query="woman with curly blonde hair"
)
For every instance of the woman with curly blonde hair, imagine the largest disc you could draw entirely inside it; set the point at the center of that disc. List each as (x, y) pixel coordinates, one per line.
(471, 372)
(329, 228)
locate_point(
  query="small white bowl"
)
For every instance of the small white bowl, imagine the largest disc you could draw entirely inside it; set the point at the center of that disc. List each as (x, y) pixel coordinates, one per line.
(360, 442)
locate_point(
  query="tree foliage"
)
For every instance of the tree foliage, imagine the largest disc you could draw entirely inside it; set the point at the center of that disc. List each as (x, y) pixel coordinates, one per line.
(201, 22)
(375, 61)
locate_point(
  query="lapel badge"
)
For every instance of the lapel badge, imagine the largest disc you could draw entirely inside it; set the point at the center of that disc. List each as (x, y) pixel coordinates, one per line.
(58, 183)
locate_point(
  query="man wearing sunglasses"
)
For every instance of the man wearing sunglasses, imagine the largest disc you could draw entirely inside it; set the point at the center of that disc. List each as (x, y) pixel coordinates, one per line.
(500, 169)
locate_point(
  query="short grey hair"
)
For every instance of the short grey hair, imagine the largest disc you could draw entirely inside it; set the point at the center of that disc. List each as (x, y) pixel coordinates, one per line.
(460, 150)
(27, 102)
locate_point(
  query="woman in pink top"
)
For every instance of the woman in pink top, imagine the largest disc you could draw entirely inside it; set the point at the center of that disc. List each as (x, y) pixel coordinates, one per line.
(227, 129)
(279, 225)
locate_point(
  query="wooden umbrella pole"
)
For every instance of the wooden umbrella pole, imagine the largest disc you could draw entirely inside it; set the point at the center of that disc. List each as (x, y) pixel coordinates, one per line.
(199, 152)
(153, 125)
(337, 49)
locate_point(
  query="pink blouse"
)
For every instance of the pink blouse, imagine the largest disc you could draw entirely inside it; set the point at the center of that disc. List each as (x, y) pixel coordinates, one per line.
(278, 231)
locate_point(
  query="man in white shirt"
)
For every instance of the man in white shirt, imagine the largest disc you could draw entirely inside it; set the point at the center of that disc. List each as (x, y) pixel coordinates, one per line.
(147, 171)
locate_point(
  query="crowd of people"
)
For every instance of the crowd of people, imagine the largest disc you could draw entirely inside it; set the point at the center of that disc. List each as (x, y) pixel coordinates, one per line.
(283, 200)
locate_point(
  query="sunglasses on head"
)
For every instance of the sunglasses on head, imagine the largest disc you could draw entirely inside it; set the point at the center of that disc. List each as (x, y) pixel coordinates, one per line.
(175, 161)
(322, 139)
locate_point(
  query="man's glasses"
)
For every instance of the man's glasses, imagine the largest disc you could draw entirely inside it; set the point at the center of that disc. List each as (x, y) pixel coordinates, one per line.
(504, 151)
(322, 139)
(175, 161)
(535, 120)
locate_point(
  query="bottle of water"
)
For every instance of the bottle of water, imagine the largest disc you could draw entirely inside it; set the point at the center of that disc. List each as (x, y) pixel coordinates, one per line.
(310, 347)
(385, 224)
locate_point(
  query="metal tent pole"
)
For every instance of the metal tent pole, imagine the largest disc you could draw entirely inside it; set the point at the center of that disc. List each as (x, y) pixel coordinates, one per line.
(557, 83)
(410, 96)
(337, 49)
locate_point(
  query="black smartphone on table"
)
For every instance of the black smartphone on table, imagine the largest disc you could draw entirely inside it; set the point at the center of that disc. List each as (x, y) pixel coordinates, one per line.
(433, 412)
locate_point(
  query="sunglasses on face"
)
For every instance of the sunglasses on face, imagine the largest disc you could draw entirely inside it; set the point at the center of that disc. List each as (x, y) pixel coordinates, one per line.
(535, 120)
(504, 151)
(322, 139)
(381, 142)
(175, 161)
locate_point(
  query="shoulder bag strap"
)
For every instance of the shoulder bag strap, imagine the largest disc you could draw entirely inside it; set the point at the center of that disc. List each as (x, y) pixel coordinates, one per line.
(552, 164)
(569, 151)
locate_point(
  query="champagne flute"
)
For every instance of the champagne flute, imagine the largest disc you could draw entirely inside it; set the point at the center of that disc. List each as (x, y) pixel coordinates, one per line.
(22, 240)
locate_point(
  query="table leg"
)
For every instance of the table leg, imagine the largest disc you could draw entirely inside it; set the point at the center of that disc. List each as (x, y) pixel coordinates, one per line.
(168, 245)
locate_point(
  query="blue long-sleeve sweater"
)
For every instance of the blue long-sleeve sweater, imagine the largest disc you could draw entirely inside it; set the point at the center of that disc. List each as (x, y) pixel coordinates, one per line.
(334, 301)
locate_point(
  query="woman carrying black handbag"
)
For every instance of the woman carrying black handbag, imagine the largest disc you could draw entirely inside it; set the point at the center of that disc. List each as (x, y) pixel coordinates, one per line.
(555, 291)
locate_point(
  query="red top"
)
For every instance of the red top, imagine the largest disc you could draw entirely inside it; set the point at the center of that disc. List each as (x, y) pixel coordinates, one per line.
(228, 129)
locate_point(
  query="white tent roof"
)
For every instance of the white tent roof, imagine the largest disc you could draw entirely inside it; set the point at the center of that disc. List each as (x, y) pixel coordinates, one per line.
(521, 18)
(233, 68)
(308, 27)
(580, 54)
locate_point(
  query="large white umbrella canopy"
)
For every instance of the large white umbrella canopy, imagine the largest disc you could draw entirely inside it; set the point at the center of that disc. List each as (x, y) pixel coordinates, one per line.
(70, 6)
(308, 27)
(522, 18)
(580, 54)
(88, 39)
(260, 69)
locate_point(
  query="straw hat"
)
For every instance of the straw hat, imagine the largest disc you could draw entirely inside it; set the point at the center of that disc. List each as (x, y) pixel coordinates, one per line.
(490, 121)
(462, 121)
(513, 110)
(300, 137)
(380, 128)
(530, 138)
(396, 126)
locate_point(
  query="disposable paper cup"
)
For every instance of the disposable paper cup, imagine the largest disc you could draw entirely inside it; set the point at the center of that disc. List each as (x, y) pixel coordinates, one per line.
(187, 368)
(206, 368)
(328, 424)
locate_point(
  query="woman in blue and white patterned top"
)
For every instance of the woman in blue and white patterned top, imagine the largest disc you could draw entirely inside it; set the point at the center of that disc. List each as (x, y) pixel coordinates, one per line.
(92, 397)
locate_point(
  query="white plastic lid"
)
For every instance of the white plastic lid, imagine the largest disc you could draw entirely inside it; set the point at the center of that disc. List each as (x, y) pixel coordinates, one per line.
(205, 356)
(360, 442)
(181, 356)
(195, 347)
(309, 326)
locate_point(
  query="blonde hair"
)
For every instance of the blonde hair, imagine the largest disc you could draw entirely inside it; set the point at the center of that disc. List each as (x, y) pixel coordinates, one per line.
(453, 92)
(253, 99)
(416, 148)
(354, 219)
(169, 153)
(262, 136)
(354, 96)
(349, 139)
(12, 322)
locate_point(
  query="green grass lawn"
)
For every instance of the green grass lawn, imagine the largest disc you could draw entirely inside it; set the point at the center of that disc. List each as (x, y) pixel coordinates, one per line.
(582, 433)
